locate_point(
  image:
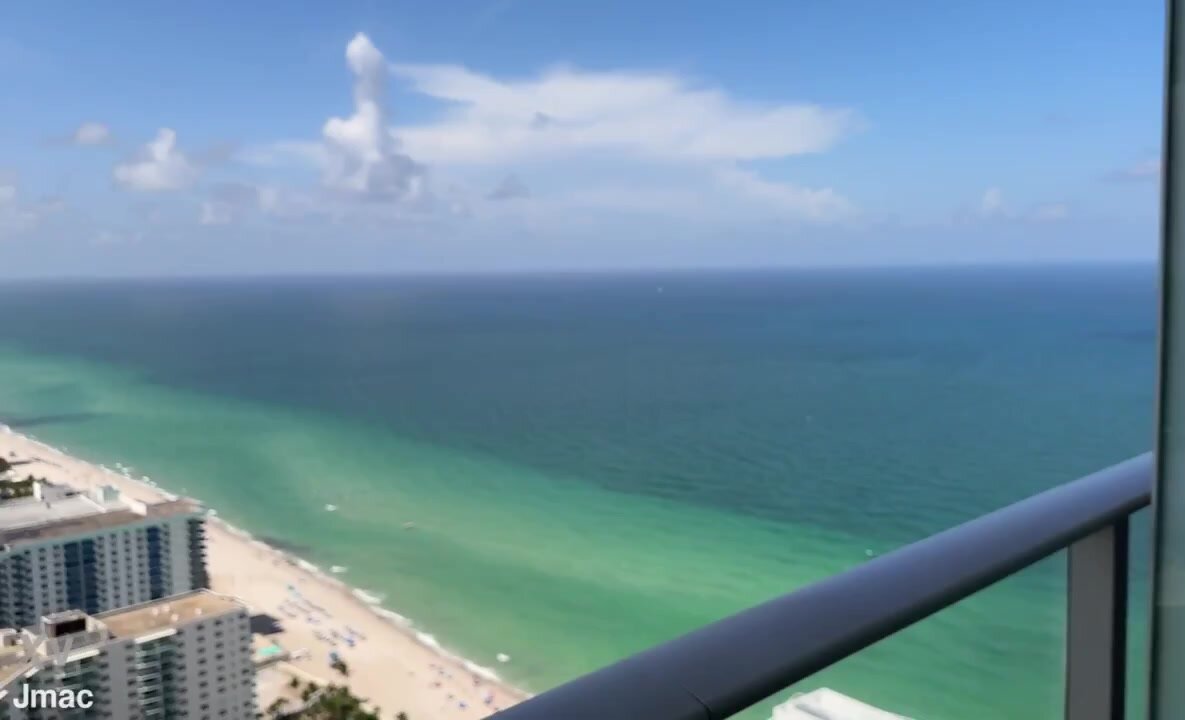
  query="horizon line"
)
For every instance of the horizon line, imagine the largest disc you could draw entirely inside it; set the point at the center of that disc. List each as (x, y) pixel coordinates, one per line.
(590, 271)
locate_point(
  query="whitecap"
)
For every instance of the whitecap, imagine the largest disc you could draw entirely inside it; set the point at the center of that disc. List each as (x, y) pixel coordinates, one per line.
(478, 670)
(392, 617)
(368, 598)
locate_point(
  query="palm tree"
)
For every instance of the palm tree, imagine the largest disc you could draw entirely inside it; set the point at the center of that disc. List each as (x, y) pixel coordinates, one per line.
(337, 703)
(276, 709)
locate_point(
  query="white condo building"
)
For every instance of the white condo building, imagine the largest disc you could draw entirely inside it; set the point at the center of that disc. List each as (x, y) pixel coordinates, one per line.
(66, 550)
(187, 656)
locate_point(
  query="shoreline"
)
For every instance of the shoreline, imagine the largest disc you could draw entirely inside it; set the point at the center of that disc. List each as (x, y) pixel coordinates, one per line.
(373, 603)
(255, 571)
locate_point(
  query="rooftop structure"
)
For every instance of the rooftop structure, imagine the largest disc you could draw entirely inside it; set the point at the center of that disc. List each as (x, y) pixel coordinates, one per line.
(60, 511)
(827, 704)
(148, 618)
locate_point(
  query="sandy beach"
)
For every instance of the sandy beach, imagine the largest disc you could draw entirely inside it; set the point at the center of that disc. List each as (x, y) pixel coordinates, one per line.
(391, 664)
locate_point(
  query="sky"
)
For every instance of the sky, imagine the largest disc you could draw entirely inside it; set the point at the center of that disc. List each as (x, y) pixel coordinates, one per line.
(500, 135)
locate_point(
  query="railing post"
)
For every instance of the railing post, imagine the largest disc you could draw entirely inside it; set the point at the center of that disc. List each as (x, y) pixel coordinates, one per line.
(1096, 625)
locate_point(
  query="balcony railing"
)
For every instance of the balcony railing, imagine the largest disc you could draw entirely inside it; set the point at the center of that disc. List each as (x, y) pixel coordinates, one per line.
(723, 668)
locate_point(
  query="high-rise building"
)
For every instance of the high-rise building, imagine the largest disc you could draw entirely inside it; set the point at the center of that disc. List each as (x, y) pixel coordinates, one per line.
(187, 656)
(66, 550)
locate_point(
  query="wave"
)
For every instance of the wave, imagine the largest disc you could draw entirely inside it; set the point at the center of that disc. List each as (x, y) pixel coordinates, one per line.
(367, 598)
(428, 640)
(480, 671)
(392, 617)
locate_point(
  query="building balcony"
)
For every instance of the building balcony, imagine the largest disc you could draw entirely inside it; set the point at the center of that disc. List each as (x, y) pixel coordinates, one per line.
(723, 668)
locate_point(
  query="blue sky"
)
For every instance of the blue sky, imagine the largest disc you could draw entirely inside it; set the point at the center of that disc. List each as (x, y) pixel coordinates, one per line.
(270, 137)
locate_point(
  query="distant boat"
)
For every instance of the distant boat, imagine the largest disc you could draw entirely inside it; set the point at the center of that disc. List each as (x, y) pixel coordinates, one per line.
(503, 657)
(331, 508)
(408, 525)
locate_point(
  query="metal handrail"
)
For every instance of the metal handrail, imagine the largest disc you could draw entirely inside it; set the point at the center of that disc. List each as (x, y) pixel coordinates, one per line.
(727, 666)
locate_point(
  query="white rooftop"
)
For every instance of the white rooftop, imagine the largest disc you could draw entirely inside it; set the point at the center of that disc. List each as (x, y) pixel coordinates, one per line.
(60, 511)
(827, 704)
(168, 612)
(24, 512)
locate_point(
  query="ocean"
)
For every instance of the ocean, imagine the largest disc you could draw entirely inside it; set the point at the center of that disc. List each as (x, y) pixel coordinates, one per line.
(595, 463)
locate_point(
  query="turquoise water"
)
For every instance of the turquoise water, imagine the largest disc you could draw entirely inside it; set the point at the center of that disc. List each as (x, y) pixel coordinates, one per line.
(598, 463)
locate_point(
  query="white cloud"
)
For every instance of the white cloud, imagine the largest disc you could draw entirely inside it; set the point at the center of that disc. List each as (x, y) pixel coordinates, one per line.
(510, 188)
(113, 237)
(269, 199)
(91, 133)
(992, 202)
(159, 166)
(585, 137)
(362, 157)
(17, 216)
(730, 197)
(230, 201)
(1051, 212)
(14, 217)
(285, 203)
(290, 152)
(1148, 169)
(214, 213)
(993, 208)
(652, 115)
(808, 203)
